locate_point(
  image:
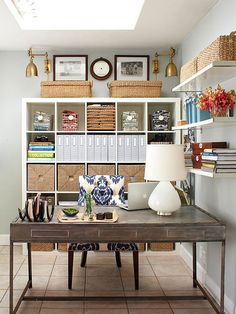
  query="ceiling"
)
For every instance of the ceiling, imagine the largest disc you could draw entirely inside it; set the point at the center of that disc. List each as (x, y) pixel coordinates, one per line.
(162, 23)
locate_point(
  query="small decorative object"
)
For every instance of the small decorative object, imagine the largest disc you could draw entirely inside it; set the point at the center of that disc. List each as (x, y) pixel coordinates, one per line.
(70, 67)
(88, 205)
(70, 212)
(100, 216)
(42, 121)
(131, 67)
(130, 121)
(36, 210)
(108, 215)
(217, 101)
(69, 120)
(165, 163)
(101, 69)
(160, 120)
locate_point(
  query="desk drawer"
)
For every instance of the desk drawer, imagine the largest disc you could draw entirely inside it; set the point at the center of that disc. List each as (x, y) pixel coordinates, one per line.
(50, 234)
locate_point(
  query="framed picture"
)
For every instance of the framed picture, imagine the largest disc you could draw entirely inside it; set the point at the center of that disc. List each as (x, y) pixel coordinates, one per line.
(70, 67)
(131, 68)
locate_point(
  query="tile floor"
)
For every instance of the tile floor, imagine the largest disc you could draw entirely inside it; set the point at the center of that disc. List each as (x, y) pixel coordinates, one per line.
(159, 274)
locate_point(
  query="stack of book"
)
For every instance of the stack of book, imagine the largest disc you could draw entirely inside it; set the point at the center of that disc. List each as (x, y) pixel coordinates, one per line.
(41, 151)
(188, 159)
(219, 160)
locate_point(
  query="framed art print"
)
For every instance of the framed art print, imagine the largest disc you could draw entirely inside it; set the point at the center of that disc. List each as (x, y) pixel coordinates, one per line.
(70, 67)
(131, 68)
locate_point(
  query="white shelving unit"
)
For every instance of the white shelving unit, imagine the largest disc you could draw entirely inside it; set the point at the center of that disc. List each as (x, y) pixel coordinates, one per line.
(212, 174)
(209, 123)
(54, 106)
(218, 71)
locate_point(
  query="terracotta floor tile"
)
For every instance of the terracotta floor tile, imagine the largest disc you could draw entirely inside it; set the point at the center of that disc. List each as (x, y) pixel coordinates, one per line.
(150, 311)
(165, 269)
(39, 282)
(190, 304)
(168, 259)
(63, 259)
(144, 270)
(4, 269)
(4, 282)
(102, 270)
(63, 305)
(103, 283)
(61, 270)
(24, 304)
(61, 283)
(195, 291)
(2, 292)
(109, 293)
(72, 292)
(145, 283)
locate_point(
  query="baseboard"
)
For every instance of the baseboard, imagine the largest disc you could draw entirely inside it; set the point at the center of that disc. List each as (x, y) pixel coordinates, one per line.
(212, 287)
(4, 239)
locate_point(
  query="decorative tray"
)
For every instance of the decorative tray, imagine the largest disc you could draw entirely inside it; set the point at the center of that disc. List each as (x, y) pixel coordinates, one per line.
(80, 217)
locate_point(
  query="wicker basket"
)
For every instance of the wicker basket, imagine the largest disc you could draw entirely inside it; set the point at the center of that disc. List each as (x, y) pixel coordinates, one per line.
(95, 169)
(101, 117)
(42, 246)
(68, 177)
(188, 69)
(60, 89)
(132, 173)
(40, 177)
(161, 246)
(221, 49)
(126, 89)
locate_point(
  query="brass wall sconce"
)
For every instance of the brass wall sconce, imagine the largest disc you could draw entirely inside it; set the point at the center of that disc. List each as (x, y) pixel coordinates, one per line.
(31, 69)
(171, 69)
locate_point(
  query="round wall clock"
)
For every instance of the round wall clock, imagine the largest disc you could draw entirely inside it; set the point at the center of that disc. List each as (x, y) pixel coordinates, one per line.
(101, 69)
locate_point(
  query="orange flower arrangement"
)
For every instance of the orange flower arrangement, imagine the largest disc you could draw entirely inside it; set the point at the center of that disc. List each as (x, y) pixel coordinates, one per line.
(217, 101)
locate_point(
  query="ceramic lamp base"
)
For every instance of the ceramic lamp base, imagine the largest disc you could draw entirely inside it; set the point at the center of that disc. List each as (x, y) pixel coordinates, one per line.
(164, 199)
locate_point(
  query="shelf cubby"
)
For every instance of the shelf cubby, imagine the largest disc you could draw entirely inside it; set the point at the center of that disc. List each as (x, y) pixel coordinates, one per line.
(79, 108)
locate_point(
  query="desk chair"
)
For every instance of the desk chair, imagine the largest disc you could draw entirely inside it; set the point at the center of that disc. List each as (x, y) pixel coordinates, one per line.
(105, 190)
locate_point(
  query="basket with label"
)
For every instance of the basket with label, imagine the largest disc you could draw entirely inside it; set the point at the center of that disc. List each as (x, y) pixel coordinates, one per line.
(101, 117)
(42, 121)
(160, 120)
(69, 120)
(130, 121)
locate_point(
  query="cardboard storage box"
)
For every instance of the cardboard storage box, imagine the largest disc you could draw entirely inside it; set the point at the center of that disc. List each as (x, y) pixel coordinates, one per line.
(40, 177)
(132, 173)
(126, 89)
(68, 177)
(63, 89)
(94, 169)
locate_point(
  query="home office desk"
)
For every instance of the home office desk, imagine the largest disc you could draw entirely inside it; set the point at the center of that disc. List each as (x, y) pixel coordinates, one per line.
(188, 224)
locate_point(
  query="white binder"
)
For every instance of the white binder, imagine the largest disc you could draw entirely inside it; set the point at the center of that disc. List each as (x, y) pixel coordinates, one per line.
(98, 148)
(111, 148)
(128, 148)
(67, 144)
(104, 148)
(59, 147)
(90, 147)
(135, 147)
(121, 148)
(73, 148)
(142, 147)
(81, 148)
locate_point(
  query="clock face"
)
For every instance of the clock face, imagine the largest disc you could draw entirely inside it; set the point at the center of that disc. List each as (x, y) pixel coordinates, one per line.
(101, 69)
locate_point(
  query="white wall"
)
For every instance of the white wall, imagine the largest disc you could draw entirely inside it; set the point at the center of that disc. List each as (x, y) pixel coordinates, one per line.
(13, 87)
(217, 196)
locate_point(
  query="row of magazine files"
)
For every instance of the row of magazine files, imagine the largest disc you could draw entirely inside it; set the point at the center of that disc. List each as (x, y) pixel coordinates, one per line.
(101, 147)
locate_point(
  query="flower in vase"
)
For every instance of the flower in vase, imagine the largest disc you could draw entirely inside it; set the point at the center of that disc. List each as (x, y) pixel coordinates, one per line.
(217, 101)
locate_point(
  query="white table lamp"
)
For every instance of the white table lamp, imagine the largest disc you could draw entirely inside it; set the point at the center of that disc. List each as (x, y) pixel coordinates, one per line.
(164, 163)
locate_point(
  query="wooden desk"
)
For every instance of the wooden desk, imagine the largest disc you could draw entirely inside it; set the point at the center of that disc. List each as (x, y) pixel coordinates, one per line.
(189, 224)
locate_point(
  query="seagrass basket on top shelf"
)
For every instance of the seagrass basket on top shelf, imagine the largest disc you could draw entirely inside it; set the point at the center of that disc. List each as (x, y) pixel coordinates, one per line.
(127, 89)
(63, 89)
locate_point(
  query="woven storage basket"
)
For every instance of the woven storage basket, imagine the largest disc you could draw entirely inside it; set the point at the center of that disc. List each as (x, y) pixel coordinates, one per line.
(42, 246)
(94, 170)
(40, 177)
(101, 117)
(221, 49)
(161, 246)
(132, 173)
(68, 177)
(60, 89)
(188, 69)
(126, 89)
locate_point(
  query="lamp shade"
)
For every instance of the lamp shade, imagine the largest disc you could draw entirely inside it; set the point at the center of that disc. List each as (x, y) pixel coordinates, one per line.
(171, 69)
(165, 162)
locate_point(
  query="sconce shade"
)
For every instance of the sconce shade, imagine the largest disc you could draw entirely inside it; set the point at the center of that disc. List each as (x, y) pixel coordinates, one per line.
(31, 69)
(171, 69)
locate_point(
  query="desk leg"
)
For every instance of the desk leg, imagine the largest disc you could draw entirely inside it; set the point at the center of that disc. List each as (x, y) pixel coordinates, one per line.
(194, 264)
(29, 265)
(222, 285)
(11, 309)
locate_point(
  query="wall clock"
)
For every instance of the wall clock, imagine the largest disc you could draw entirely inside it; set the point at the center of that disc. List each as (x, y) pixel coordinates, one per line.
(101, 69)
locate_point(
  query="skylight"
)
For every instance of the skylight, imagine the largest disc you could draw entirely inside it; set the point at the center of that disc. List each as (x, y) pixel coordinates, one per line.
(76, 14)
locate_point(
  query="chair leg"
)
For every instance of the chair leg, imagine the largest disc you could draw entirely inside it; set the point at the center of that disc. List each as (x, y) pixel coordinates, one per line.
(83, 258)
(118, 259)
(136, 269)
(70, 268)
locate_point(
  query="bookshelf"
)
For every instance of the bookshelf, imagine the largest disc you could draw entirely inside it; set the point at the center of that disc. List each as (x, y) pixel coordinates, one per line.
(55, 106)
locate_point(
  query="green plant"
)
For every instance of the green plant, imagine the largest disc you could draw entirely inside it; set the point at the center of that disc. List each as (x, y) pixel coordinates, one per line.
(88, 203)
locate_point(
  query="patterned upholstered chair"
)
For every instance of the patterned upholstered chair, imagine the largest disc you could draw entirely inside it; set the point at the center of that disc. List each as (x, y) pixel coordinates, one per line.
(105, 190)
